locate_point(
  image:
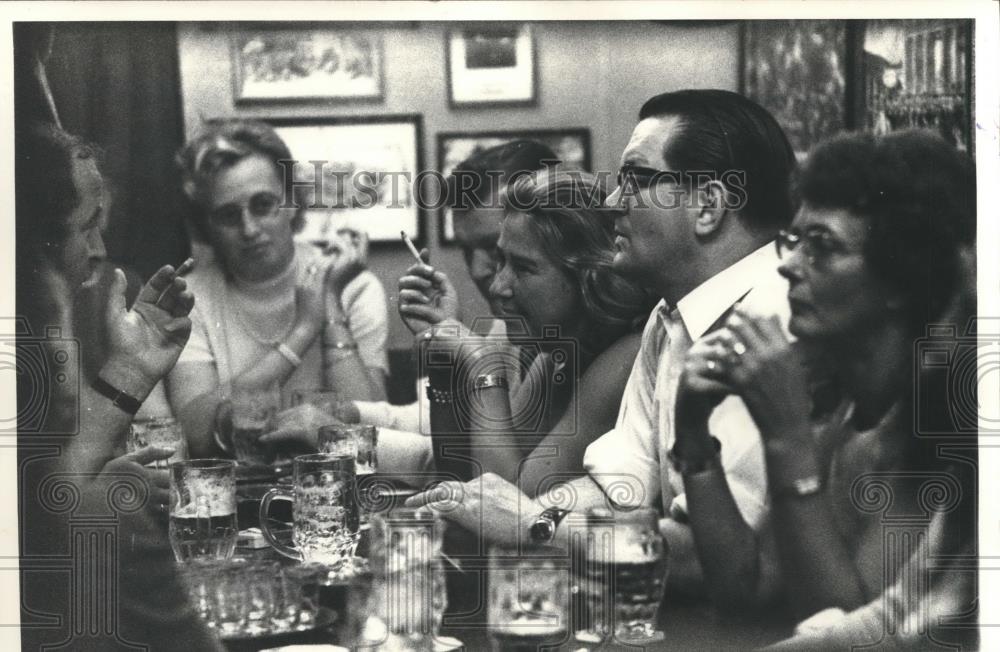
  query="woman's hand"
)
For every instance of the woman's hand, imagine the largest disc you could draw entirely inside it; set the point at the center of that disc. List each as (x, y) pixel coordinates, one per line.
(296, 429)
(426, 297)
(701, 388)
(146, 341)
(310, 298)
(348, 253)
(769, 372)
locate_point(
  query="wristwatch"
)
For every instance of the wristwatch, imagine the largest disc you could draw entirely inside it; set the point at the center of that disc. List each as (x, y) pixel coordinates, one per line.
(124, 402)
(688, 466)
(543, 530)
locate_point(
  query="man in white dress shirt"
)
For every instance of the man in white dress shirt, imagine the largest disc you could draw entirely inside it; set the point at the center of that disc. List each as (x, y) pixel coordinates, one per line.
(702, 192)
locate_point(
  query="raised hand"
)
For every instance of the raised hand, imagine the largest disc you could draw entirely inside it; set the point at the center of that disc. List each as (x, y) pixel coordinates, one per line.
(769, 372)
(146, 341)
(426, 297)
(348, 253)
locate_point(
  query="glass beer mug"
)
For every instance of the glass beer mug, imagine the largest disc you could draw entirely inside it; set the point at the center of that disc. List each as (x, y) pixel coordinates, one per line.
(325, 524)
(624, 575)
(528, 599)
(203, 509)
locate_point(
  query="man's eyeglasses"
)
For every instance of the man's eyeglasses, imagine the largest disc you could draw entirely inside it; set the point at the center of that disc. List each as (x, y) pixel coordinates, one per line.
(817, 246)
(262, 205)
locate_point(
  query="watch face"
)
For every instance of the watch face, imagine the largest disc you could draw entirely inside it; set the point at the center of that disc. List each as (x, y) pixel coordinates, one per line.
(541, 531)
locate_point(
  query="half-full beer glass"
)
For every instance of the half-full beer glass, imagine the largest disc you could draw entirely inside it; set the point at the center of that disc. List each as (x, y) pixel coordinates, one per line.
(325, 525)
(624, 574)
(203, 509)
(528, 599)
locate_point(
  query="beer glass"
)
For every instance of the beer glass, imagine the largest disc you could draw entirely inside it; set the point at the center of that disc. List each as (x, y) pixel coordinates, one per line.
(360, 441)
(162, 432)
(624, 575)
(409, 592)
(325, 526)
(528, 599)
(203, 509)
(253, 411)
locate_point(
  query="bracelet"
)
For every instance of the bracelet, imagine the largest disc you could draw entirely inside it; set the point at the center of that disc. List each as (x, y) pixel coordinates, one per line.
(290, 355)
(689, 467)
(440, 396)
(343, 346)
(799, 487)
(485, 381)
(124, 402)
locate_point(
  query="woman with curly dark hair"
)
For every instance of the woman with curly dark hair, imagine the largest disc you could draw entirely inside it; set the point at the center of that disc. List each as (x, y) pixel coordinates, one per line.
(878, 251)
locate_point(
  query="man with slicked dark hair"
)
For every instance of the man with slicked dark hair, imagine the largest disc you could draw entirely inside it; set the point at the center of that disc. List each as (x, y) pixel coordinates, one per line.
(702, 192)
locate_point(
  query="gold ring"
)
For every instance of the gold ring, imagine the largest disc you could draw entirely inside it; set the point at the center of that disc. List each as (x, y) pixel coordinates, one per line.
(711, 365)
(739, 348)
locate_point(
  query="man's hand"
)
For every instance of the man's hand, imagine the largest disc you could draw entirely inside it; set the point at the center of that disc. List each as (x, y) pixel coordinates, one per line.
(296, 429)
(146, 341)
(157, 481)
(488, 504)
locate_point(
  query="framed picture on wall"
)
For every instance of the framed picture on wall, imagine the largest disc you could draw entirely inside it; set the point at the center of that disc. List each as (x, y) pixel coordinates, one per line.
(283, 65)
(571, 146)
(490, 65)
(367, 167)
(917, 74)
(797, 70)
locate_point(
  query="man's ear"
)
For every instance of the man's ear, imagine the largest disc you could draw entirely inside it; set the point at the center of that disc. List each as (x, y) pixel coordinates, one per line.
(711, 208)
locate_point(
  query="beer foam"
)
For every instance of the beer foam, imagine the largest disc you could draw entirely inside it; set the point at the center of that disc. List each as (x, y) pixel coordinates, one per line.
(630, 550)
(212, 497)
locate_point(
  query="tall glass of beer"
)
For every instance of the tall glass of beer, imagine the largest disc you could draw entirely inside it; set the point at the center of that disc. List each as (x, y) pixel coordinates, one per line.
(528, 603)
(203, 509)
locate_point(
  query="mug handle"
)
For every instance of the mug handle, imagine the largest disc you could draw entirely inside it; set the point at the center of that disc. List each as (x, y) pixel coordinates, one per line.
(265, 506)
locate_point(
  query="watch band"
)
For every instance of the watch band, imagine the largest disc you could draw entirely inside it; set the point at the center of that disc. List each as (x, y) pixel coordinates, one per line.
(127, 404)
(686, 466)
(543, 530)
(799, 487)
(485, 381)
(440, 396)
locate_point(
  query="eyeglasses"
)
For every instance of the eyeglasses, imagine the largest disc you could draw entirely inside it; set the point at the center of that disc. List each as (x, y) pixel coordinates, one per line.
(262, 205)
(817, 246)
(642, 178)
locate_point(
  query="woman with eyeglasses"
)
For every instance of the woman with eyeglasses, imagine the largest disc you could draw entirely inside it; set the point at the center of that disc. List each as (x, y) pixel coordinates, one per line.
(874, 255)
(271, 311)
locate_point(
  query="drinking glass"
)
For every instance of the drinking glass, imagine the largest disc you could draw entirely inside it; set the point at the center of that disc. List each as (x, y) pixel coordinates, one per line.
(360, 441)
(528, 603)
(625, 574)
(203, 509)
(253, 412)
(325, 525)
(163, 432)
(409, 592)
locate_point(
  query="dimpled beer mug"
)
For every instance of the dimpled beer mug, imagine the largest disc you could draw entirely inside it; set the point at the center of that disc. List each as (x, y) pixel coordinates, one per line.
(624, 574)
(325, 525)
(203, 509)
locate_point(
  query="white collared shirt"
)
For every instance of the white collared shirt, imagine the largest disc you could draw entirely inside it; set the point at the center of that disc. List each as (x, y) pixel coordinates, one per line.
(630, 462)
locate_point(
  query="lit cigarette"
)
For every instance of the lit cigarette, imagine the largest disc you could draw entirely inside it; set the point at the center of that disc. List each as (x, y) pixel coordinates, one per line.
(185, 267)
(413, 249)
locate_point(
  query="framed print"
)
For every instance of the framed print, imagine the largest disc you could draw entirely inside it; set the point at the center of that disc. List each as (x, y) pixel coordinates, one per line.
(367, 167)
(490, 65)
(571, 146)
(917, 73)
(287, 65)
(797, 70)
